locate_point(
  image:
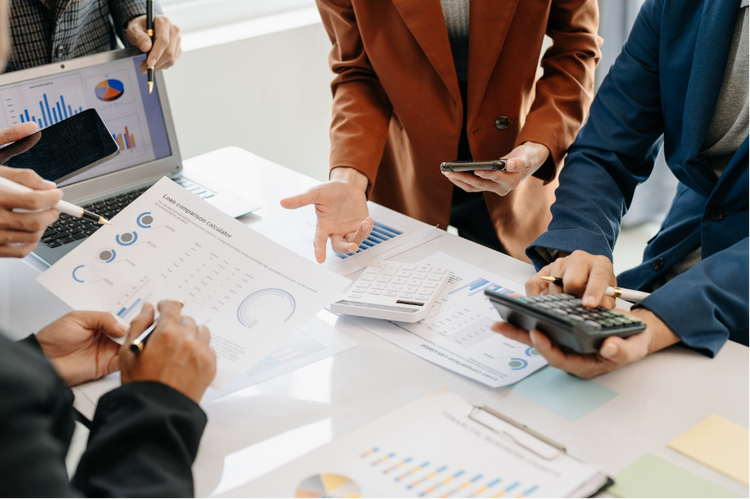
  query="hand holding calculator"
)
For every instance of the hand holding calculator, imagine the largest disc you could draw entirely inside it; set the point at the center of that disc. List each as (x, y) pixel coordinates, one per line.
(565, 320)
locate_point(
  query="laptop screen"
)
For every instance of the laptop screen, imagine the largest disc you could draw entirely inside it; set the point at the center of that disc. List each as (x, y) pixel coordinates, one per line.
(117, 90)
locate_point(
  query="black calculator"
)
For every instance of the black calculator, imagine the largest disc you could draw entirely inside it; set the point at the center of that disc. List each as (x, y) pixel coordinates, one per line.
(565, 320)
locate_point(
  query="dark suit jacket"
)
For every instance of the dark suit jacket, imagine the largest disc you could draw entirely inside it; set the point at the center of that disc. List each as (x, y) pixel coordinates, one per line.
(398, 111)
(664, 87)
(143, 439)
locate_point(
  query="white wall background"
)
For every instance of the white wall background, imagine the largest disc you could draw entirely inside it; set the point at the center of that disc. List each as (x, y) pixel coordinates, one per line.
(267, 93)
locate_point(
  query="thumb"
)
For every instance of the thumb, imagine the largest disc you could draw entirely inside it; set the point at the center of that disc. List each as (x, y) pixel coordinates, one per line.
(294, 202)
(616, 350)
(516, 164)
(103, 322)
(136, 34)
(140, 323)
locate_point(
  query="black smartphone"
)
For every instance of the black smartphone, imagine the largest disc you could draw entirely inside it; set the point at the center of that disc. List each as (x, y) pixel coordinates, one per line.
(65, 149)
(470, 166)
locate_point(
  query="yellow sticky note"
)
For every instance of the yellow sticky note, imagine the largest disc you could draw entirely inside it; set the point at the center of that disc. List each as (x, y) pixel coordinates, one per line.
(719, 444)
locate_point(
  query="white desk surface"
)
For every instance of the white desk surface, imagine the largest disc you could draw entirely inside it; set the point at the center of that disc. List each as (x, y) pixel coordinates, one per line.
(262, 427)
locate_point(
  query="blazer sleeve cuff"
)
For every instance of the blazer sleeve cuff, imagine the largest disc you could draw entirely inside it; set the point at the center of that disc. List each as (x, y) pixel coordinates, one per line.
(703, 339)
(546, 247)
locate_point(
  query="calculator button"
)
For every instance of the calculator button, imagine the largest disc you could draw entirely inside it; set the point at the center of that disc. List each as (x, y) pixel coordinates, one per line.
(422, 297)
(377, 263)
(408, 266)
(430, 284)
(398, 280)
(543, 305)
(559, 311)
(406, 296)
(389, 269)
(373, 292)
(575, 318)
(367, 277)
(439, 270)
(361, 284)
(410, 289)
(403, 273)
(592, 326)
(425, 291)
(359, 289)
(383, 279)
(565, 296)
(419, 275)
(389, 293)
(354, 295)
(533, 298)
(414, 282)
(434, 277)
(424, 268)
(393, 287)
(377, 285)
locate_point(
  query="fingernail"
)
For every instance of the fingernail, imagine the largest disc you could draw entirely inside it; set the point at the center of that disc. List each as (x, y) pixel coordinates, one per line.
(532, 335)
(366, 227)
(49, 183)
(122, 327)
(609, 350)
(589, 301)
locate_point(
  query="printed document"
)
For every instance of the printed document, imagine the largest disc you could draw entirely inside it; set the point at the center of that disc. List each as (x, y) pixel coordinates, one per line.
(456, 334)
(168, 244)
(432, 448)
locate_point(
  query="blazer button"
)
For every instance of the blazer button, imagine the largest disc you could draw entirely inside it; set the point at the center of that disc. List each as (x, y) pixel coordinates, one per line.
(716, 214)
(658, 264)
(502, 122)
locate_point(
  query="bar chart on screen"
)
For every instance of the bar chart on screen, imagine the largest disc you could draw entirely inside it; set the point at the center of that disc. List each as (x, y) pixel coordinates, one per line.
(126, 131)
(44, 102)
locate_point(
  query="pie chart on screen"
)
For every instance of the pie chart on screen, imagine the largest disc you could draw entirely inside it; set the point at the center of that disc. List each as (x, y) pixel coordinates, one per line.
(109, 90)
(328, 485)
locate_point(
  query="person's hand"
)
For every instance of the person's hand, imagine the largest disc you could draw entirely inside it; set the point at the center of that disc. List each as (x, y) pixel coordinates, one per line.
(20, 232)
(341, 207)
(77, 346)
(614, 353)
(522, 162)
(178, 353)
(166, 49)
(583, 275)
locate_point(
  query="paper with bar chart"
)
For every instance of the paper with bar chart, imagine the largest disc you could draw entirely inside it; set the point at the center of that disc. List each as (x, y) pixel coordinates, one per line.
(169, 244)
(392, 234)
(431, 448)
(456, 334)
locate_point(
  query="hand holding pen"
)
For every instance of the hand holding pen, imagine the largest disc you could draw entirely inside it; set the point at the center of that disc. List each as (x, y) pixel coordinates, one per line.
(162, 47)
(178, 354)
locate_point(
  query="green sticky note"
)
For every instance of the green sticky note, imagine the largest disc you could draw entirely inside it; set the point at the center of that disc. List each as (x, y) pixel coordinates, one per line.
(651, 476)
(568, 396)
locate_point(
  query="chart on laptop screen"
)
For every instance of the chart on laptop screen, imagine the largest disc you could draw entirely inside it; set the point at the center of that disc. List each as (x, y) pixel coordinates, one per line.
(117, 90)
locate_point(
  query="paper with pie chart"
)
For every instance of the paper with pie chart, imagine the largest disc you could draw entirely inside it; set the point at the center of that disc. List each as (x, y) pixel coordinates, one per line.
(456, 334)
(168, 244)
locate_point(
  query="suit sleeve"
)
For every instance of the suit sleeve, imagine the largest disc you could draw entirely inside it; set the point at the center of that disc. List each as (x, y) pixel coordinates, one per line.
(716, 294)
(36, 423)
(614, 152)
(123, 11)
(565, 92)
(143, 441)
(361, 109)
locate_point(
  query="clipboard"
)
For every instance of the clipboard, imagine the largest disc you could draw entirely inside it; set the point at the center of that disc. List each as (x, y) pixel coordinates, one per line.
(531, 440)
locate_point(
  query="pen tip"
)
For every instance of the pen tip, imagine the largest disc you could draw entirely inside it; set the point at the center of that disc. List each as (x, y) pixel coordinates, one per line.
(150, 86)
(104, 221)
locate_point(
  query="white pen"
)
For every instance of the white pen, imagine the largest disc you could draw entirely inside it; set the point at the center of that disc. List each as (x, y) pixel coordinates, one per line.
(626, 294)
(61, 206)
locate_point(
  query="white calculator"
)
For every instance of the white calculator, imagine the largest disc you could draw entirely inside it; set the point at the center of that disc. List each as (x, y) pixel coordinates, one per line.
(394, 291)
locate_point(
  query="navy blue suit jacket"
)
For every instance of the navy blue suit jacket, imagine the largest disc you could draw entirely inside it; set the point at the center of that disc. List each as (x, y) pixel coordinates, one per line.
(664, 88)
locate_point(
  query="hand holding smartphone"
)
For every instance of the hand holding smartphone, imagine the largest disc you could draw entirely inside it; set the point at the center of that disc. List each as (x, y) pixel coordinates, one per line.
(65, 149)
(470, 166)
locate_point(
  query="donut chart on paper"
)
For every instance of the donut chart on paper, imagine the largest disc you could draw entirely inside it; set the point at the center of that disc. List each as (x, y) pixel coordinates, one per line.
(328, 485)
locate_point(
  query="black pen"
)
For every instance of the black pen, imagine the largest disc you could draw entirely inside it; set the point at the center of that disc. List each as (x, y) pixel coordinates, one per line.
(150, 32)
(140, 342)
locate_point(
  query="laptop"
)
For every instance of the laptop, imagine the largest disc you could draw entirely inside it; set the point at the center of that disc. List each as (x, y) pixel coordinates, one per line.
(141, 124)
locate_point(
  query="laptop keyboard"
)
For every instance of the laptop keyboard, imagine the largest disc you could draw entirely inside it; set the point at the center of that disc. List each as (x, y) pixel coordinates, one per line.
(68, 229)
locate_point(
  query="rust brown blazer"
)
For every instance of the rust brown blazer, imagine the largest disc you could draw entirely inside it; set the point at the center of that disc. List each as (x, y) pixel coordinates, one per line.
(397, 110)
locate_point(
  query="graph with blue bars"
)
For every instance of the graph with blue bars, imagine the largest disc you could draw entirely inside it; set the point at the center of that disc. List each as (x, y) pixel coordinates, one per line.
(128, 309)
(49, 113)
(380, 234)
